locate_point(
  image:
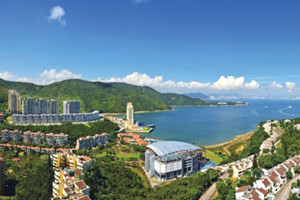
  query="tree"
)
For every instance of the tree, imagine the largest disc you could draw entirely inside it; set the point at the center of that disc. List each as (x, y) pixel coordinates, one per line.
(297, 169)
(289, 175)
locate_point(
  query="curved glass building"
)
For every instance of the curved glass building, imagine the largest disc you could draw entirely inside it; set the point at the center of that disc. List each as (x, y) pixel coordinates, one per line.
(171, 159)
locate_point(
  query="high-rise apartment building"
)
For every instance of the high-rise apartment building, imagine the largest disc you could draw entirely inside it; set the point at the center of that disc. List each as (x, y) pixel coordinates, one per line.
(130, 113)
(70, 107)
(39, 106)
(13, 102)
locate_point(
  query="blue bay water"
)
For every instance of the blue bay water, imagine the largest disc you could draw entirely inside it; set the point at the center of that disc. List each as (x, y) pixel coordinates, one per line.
(211, 125)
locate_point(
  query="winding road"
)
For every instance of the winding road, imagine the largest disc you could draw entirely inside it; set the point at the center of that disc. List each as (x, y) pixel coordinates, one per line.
(284, 192)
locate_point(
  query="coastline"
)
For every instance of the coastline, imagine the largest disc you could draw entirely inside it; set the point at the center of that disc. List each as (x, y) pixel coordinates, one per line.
(174, 106)
(237, 138)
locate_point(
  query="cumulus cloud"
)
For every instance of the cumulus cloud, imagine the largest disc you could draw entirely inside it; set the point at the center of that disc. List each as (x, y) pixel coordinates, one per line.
(252, 85)
(6, 75)
(156, 82)
(229, 83)
(57, 13)
(290, 86)
(275, 85)
(63, 74)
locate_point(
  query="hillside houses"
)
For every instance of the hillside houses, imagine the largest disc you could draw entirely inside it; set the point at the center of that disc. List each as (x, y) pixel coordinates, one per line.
(270, 183)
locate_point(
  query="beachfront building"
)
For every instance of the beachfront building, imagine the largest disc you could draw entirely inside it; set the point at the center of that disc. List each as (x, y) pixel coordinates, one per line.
(13, 102)
(132, 138)
(70, 107)
(171, 159)
(130, 113)
(92, 141)
(47, 119)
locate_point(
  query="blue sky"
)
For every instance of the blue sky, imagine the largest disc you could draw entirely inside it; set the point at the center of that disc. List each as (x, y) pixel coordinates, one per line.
(171, 45)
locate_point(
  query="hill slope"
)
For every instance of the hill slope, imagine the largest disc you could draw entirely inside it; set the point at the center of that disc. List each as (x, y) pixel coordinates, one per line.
(107, 97)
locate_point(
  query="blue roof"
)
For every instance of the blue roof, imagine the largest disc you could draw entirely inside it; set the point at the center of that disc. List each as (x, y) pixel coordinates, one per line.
(168, 147)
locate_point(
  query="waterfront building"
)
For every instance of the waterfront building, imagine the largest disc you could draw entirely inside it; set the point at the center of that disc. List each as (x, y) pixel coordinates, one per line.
(13, 102)
(130, 113)
(55, 118)
(39, 106)
(2, 175)
(70, 107)
(170, 159)
(92, 141)
(132, 138)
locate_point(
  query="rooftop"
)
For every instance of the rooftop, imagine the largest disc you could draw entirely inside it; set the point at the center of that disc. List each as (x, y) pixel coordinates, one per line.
(168, 147)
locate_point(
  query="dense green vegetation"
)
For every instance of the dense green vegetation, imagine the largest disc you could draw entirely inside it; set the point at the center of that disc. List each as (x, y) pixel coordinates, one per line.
(74, 131)
(115, 180)
(37, 184)
(106, 97)
(28, 175)
(290, 146)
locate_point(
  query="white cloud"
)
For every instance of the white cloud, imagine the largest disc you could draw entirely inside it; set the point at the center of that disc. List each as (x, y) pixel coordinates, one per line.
(252, 85)
(63, 74)
(229, 83)
(57, 13)
(157, 82)
(275, 85)
(290, 86)
(6, 75)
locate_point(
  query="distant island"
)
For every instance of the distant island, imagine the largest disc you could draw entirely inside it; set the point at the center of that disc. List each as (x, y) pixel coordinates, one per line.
(105, 97)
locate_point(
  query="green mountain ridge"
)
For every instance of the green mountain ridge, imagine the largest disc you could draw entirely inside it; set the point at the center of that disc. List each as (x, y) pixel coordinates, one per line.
(106, 97)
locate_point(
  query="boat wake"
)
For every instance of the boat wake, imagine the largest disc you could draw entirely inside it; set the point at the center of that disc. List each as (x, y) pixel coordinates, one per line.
(281, 111)
(254, 112)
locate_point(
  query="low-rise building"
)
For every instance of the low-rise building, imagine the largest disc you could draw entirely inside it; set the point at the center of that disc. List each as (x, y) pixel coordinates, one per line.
(92, 141)
(241, 166)
(56, 139)
(68, 171)
(171, 159)
(132, 138)
(11, 135)
(270, 183)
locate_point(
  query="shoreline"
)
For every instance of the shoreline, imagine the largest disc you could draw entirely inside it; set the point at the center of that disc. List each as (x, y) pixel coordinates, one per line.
(237, 138)
(174, 106)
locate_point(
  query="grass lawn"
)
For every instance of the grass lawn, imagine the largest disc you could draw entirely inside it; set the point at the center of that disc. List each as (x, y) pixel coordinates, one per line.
(129, 155)
(99, 155)
(212, 156)
(6, 197)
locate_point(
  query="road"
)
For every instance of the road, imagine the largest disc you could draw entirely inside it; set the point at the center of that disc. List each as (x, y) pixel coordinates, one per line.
(209, 193)
(284, 192)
